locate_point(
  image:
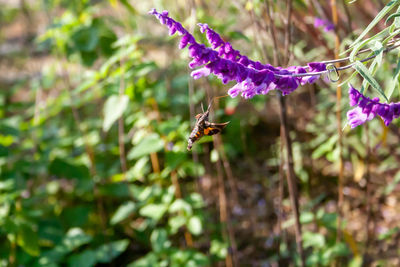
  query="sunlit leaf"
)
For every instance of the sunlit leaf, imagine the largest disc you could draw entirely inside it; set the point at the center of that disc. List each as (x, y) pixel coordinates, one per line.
(123, 212)
(159, 240)
(364, 72)
(194, 225)
(28, 240)
(176, 222)
(376, 20)
(218, 248)
(86, 39)
(75, 238)
(113, 109)
(107, 252)
(154, 211)
(149, 260)
(150, 144)
(315, 240)
(180, 205)
(85, 259)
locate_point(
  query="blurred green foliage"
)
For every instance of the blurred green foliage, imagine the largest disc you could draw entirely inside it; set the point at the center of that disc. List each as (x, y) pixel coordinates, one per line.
(93, 163)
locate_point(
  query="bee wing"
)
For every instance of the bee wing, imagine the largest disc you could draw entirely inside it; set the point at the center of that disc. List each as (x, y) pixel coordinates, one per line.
(214, 128)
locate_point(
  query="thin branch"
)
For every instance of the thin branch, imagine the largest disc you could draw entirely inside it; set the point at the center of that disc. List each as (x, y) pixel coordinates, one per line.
(336, 61)
(290, 176)
(285, 138)
(121, 128)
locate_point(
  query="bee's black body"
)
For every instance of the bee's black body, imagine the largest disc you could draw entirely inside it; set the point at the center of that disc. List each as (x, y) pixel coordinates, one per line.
(204, 127)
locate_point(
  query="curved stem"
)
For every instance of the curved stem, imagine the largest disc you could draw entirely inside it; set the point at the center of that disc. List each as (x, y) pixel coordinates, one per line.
(337, 61)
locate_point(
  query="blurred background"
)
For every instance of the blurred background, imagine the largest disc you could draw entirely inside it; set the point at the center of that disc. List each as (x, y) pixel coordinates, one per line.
(97, 103)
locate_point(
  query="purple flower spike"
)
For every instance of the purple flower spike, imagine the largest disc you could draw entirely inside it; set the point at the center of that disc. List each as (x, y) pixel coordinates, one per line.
(222, 60)
(367, 109)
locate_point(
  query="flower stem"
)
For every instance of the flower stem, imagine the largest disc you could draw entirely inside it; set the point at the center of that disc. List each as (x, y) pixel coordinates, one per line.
(337, 60)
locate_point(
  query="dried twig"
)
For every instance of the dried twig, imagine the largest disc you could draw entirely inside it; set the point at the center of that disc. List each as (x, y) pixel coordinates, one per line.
(121, 128)
(285, 138)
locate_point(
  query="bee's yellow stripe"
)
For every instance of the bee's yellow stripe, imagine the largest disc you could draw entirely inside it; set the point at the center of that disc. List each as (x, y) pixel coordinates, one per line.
(206, 131)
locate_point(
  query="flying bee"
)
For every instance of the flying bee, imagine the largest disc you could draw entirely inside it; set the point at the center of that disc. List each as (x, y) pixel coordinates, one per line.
(204, 127)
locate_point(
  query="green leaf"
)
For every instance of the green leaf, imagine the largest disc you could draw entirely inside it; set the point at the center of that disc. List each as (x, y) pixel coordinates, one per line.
(337, 250)
(392, 185)
(176, 222)
(315, 240)
(389, 233)
(395, 80)
(4, 210)
(75, 238)
(154, 211)
(174, 159)
(159, 240)
(195, 226)
(325, 147)
(113, 109)
(76, 216)
(329, 220)
(88, 57)
(107, 252)
(123, 212)
(219, 248)
(149, 260)
(180, 205)
(357, 48)
(28, 240)
(86, 39)
(7, 184)
(65, 169)
(395, 15)
(150, 144)
(115, 189)
(364, 72)
(357, 261)
(375, 21)
(378, 52)
(396, 23)
(84, 259)
(214, 156)
(139, 170)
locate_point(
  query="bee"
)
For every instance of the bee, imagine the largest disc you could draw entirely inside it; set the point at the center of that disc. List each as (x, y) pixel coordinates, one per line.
(204, 127)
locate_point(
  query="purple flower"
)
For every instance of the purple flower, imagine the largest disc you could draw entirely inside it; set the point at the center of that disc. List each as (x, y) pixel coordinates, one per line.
(197, 74)
(318, 22)
(328, 26)
(354, 96)
(251, 77)
(316, 66)
(357, 117)
(367, 109)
